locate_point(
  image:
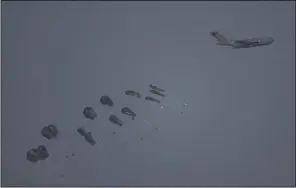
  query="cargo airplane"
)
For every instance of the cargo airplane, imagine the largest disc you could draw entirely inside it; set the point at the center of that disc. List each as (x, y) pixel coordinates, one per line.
(244, 43)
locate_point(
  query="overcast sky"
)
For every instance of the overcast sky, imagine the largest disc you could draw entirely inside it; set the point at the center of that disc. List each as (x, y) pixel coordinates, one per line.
(237, 129)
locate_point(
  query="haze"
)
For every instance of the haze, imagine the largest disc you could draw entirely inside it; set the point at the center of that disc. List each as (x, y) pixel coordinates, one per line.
(237, 129)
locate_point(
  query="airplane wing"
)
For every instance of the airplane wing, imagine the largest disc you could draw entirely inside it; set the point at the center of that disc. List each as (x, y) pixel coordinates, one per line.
(246, 42)
(243, 42)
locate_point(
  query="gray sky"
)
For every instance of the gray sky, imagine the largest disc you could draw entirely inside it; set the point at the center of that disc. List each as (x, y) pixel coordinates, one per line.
(238, 128)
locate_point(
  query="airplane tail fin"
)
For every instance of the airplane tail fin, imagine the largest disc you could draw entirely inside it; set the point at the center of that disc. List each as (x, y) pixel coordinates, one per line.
(221, 40)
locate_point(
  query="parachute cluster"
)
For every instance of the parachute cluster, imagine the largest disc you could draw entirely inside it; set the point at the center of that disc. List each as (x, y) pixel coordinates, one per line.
(51, 131)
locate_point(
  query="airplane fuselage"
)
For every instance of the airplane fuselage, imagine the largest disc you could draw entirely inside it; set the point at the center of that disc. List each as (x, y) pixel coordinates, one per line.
(253, 42)
(243, 43)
